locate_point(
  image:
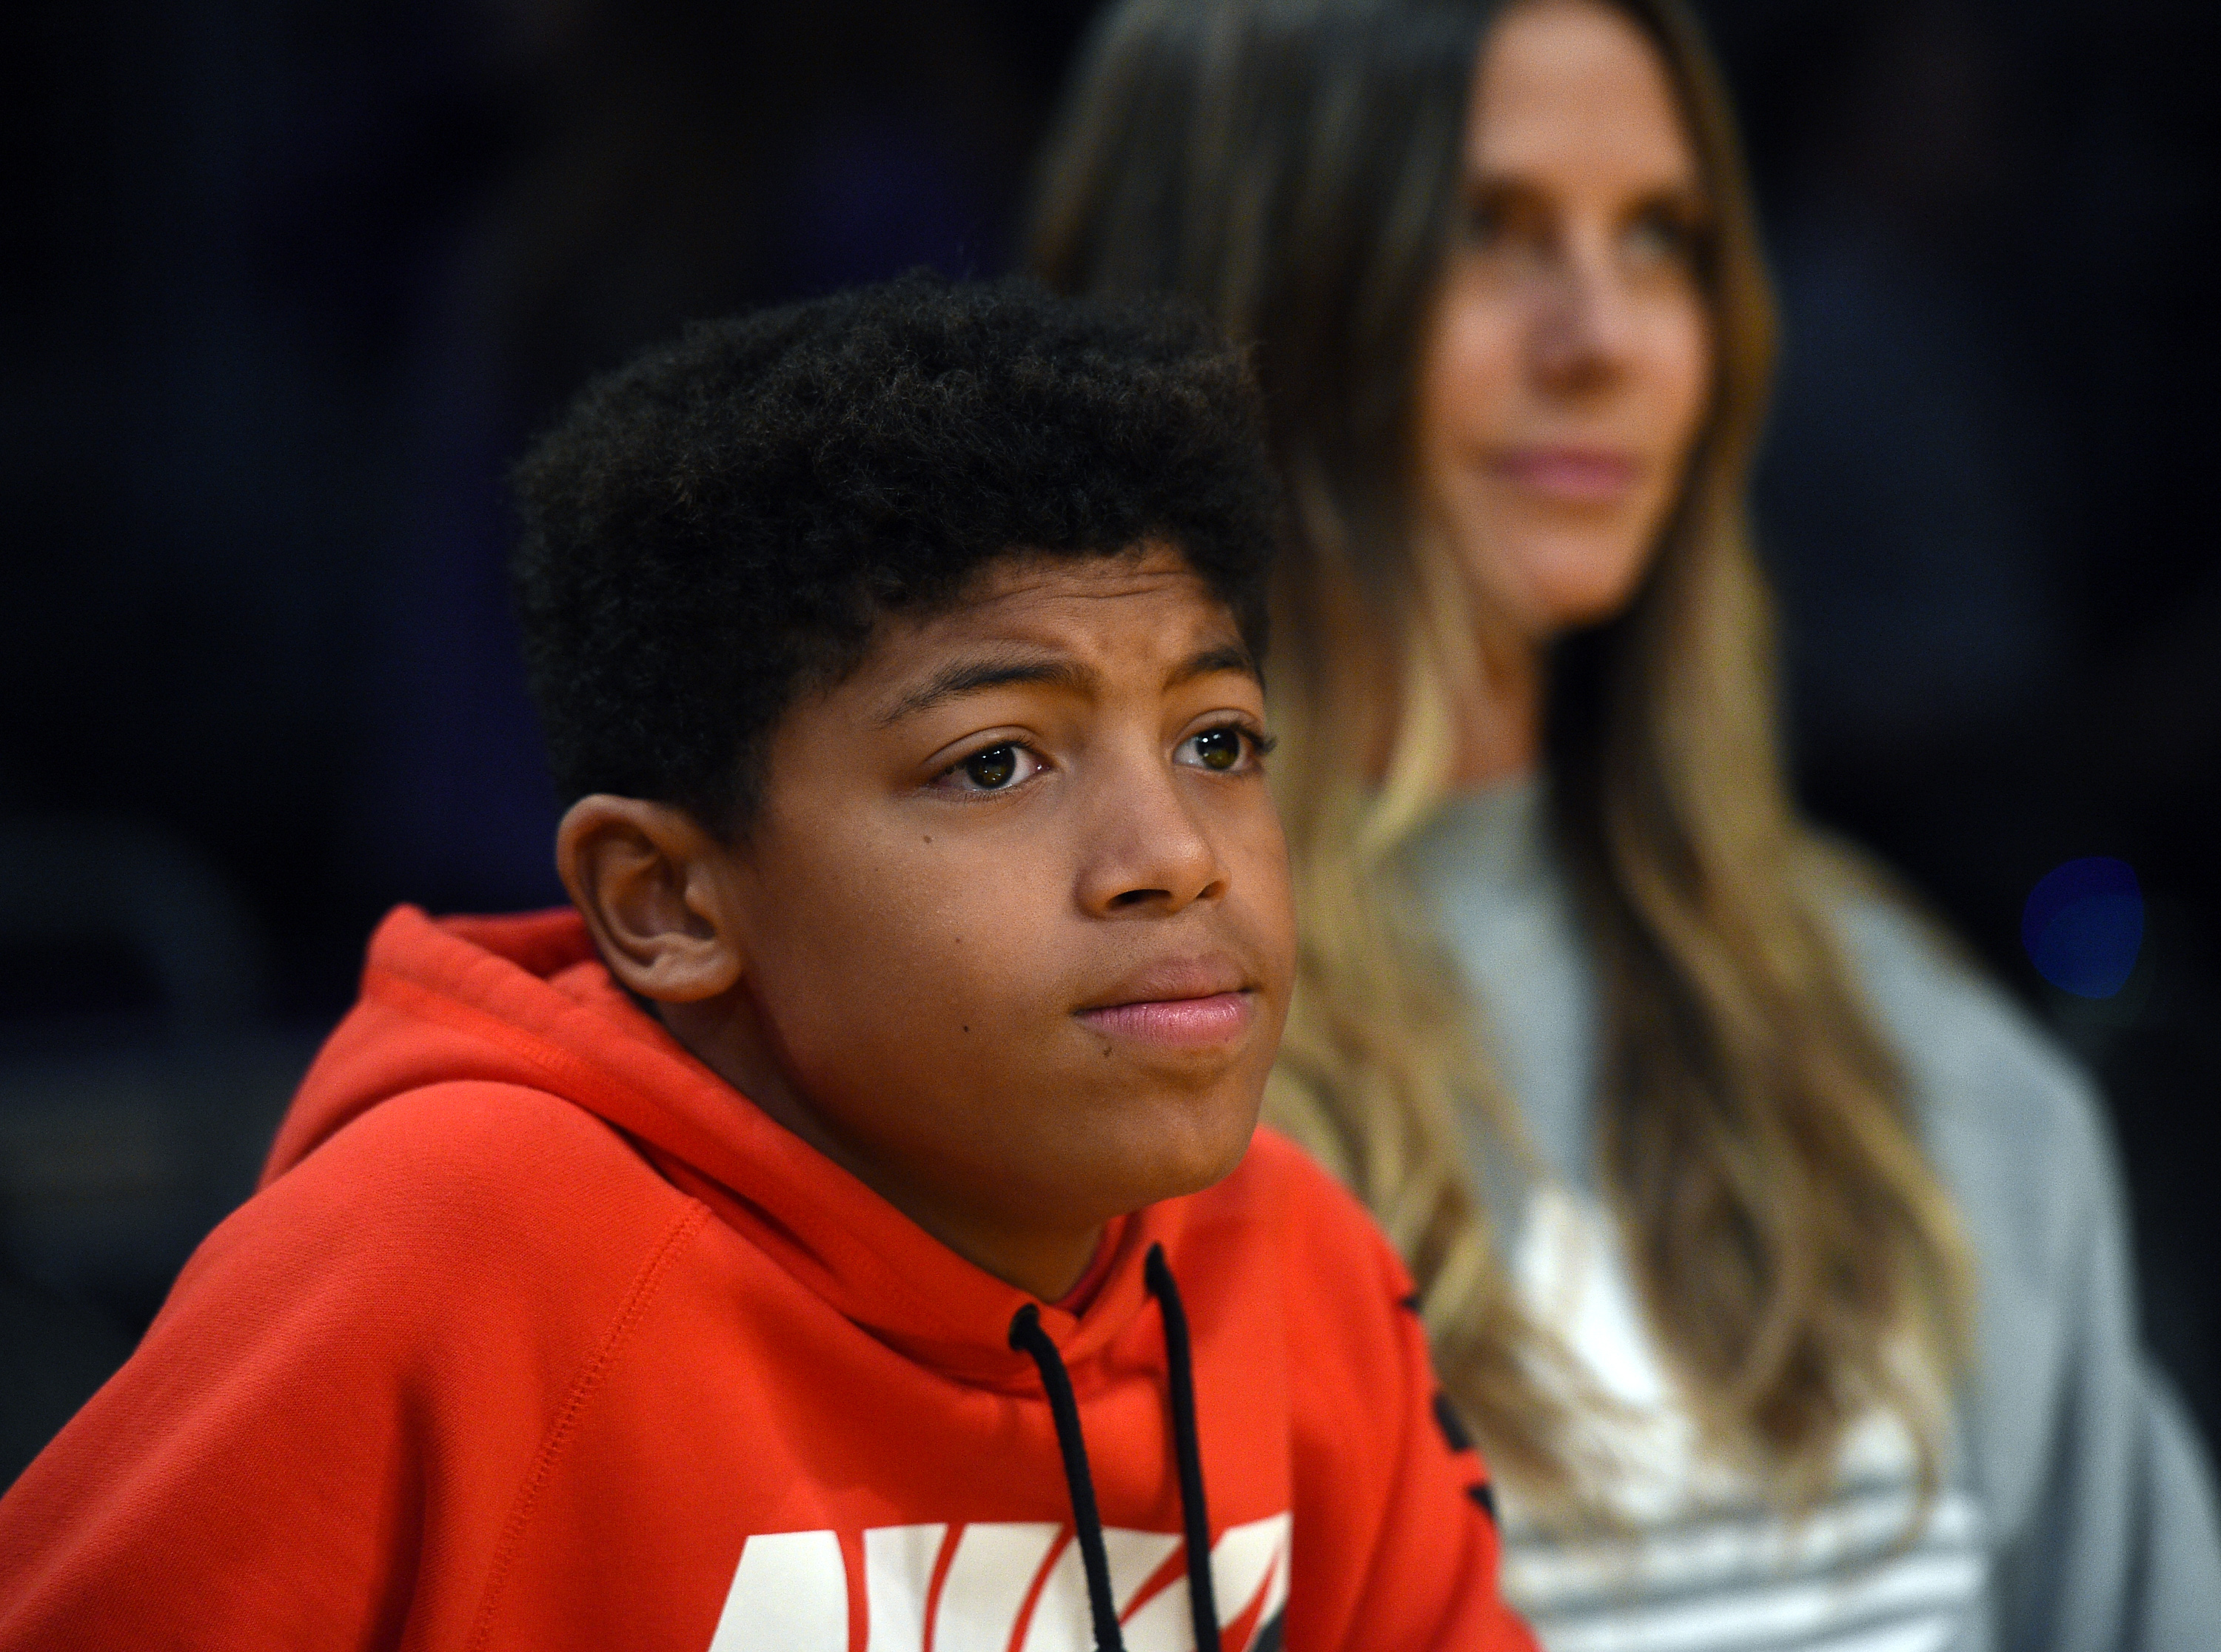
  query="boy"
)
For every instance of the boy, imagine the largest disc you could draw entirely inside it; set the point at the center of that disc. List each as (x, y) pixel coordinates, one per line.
(836, 1232)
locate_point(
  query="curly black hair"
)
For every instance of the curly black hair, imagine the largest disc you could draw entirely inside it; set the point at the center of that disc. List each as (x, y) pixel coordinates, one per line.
(718, 526)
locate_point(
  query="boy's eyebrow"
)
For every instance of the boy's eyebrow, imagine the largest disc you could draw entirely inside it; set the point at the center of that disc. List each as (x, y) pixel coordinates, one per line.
(971, 677)
(1228, 657)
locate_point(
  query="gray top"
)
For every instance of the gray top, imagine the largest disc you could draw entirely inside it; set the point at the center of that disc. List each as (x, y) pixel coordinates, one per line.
(2080, 1513)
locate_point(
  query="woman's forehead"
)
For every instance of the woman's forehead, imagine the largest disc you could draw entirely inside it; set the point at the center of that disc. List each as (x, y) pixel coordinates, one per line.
(1576, 86)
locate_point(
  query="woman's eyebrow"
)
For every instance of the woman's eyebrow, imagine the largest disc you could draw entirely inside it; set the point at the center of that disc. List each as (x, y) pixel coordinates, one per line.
(1682, 195)
(1498, 181)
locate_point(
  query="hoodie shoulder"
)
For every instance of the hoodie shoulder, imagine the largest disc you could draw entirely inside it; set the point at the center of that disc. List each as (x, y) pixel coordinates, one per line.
(458, 1251)
(376, 1350)
(466, 1186)
(444, 1225)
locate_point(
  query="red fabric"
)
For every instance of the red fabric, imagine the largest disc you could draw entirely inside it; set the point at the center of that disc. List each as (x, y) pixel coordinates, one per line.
(1099, 1268)
(538, 1336)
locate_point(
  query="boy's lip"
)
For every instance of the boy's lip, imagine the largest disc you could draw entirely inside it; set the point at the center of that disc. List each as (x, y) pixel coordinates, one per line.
(1219, 1019)
(1191, 1001)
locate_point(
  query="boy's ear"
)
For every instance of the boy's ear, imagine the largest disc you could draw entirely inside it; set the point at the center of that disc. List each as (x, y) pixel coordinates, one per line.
(649, 881)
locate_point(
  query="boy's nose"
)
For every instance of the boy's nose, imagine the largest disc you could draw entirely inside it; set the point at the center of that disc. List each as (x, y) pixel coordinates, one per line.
(1147, 851)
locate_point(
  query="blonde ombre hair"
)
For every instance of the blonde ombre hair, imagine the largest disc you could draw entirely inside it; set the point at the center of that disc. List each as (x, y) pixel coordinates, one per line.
(1294, 166)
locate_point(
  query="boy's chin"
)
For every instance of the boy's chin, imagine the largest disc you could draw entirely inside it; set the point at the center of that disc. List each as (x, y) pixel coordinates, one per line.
(1195, 1149)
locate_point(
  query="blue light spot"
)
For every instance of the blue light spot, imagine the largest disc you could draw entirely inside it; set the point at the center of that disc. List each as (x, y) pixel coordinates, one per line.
(2083, 924)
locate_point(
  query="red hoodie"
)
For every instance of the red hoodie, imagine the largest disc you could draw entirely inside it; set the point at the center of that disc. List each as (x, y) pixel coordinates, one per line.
(538, 1336)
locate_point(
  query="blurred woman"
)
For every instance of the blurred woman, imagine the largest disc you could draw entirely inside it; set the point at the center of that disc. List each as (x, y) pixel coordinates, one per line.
(1807, 1317)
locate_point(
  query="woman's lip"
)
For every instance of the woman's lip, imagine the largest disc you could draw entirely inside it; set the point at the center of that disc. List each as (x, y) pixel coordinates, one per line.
(1221, 1018)
(1583, 475)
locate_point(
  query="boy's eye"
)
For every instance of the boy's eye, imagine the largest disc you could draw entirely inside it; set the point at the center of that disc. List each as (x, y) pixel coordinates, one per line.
(997, 768)
(1223, 750)
(991, 769)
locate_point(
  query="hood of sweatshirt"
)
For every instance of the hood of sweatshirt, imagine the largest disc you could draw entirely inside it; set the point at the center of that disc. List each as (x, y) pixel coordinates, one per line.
(525, 1000)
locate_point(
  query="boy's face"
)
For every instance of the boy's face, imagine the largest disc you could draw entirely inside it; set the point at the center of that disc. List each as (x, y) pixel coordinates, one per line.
(1013, 918)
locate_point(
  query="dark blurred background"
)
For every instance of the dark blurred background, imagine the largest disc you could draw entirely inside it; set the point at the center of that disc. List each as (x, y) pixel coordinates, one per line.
(284, 287)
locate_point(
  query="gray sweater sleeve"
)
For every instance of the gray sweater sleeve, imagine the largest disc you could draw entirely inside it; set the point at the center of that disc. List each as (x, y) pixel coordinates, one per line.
(2099, 1496)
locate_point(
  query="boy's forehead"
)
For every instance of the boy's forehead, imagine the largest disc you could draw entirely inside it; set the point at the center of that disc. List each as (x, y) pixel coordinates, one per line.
(1081, 600)
(1024, 577)
(1138, 606)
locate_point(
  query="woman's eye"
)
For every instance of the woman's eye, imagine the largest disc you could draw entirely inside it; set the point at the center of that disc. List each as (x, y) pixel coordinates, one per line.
(1506, 226)
(1657, 241)
(1223, 750)
(1484, 224)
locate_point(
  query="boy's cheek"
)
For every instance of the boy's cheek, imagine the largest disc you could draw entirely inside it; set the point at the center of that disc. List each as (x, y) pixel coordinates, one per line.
(982, 1084)
(1263, 890)
(927, 994)
(919, 982)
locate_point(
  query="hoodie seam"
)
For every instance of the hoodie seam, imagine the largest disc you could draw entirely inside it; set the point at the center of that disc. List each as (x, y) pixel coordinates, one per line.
(566, 1426)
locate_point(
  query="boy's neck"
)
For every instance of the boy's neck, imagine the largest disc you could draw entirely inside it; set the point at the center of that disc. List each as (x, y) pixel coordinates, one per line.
(721, 1033)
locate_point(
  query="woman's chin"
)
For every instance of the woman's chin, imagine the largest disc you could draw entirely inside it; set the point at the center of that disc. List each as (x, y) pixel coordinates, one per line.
(1565, 583)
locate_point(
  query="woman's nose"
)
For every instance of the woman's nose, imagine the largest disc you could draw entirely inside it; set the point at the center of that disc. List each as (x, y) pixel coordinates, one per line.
(1582, 324)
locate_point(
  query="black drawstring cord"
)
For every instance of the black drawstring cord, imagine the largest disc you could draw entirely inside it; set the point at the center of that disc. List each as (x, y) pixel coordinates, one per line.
(1027, 1337)
(1187, 1451)
(1026, 1334)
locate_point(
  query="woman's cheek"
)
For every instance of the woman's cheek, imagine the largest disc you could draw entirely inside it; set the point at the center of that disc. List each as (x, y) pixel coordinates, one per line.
(1685, 374)
(1473, 373)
